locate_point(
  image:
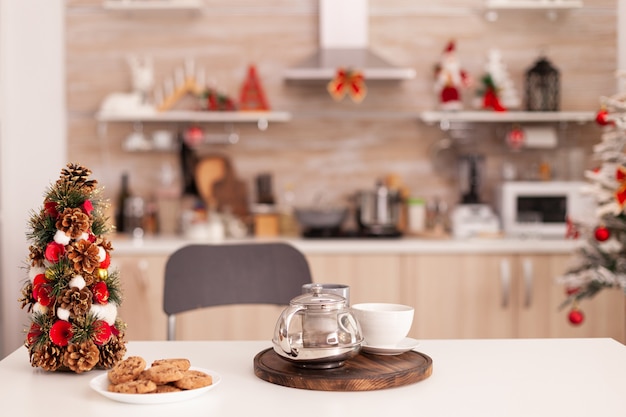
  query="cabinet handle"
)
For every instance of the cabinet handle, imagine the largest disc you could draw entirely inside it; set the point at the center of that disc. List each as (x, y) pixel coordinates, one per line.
(505, 280)
(527, 268)
(142, 266)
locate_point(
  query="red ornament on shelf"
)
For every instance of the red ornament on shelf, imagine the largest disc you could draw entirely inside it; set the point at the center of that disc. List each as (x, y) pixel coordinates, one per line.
(601, 233)
(576, 317)
(515, 138)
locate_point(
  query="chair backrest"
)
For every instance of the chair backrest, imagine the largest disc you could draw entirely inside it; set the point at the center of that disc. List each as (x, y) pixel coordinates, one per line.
(205, 275)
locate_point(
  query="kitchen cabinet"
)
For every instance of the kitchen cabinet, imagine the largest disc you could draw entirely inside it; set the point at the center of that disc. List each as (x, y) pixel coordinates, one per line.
(455, 295)
(142, 305)
(371, 277)
(502, 296)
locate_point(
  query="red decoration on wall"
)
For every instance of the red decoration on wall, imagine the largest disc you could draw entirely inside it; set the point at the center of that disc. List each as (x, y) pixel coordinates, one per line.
(252, 96)
(347, 81)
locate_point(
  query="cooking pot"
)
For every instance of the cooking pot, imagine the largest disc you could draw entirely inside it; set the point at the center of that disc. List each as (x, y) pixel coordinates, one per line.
(317, 331)
(378, 210)
(321, 217)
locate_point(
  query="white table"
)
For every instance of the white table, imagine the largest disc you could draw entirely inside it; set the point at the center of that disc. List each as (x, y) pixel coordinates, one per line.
(482, 378)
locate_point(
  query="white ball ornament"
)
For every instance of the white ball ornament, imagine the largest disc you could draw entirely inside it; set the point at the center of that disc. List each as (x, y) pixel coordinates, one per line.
(39, 309)
(34, 271)
(63, 314)
(61, 238)
(102, 254)
(77, 282)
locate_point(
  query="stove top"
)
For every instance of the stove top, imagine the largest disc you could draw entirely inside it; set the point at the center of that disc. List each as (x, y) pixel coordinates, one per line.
(337, 233)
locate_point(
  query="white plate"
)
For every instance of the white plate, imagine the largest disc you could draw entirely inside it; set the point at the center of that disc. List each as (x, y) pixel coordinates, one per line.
(404, 346)
(101, 383)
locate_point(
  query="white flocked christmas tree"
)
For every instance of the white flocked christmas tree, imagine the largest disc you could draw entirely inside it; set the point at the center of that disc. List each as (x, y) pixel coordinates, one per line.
(600, 262)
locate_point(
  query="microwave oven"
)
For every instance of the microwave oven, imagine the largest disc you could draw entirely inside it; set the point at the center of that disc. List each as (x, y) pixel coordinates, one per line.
(541, 208)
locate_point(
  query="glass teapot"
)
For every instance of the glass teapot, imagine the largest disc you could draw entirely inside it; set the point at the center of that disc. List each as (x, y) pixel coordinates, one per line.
(317, 330)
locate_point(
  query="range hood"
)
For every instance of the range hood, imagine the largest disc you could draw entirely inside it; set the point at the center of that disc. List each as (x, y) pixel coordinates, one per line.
(344, 43)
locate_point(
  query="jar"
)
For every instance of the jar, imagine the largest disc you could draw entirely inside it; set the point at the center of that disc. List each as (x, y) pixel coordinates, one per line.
(416, 214)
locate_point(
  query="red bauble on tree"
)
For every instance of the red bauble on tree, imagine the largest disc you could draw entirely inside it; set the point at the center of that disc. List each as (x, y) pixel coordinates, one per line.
(601, 233)
(576, 317)
(602, 117)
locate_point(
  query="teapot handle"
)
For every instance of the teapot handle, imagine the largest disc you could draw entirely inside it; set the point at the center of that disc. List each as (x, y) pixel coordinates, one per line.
(283, 332)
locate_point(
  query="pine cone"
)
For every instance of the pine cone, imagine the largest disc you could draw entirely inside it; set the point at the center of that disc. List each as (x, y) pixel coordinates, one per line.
(77, 302)
(78, 175)
(74, 222)
(112, 352)
(47, 356)
(81, 357)
(36, 256)
(27, 297)
(84, 255)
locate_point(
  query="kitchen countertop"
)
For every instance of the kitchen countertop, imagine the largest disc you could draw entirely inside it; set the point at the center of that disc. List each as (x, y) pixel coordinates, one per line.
(404, 245)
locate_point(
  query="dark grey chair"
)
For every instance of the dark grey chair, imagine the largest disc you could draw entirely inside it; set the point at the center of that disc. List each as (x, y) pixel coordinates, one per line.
(205, 275)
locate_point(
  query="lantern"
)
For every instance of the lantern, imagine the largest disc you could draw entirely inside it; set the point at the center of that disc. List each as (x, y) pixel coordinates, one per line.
(542, 87)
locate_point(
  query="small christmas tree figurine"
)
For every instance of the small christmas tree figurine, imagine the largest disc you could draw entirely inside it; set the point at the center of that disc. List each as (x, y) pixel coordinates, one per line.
(600, 262)
(71, 296)
(498, 92)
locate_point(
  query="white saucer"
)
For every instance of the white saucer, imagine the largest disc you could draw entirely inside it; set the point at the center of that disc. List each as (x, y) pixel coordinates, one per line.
(404, 346)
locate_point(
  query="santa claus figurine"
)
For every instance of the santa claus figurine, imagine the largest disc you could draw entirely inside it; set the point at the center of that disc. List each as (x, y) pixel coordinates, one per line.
(450, 79)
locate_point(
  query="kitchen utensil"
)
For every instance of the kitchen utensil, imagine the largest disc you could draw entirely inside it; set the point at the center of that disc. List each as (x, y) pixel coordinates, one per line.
(341, 290)
(208, 171)
(317, 331)
(321, 217)
(470, 167)
(378, 210)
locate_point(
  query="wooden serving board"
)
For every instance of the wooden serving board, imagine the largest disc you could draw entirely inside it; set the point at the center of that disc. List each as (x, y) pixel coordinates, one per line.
(364, 372)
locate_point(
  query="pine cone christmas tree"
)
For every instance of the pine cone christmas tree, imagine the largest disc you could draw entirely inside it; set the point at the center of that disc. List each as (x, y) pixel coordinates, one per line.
(71, 294)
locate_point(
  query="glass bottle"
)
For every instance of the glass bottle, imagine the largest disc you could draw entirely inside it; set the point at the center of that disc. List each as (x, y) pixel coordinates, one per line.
(122, 196)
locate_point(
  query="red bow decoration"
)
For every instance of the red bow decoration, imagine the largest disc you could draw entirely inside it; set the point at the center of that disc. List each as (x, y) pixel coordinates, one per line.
(620, 193)
(350, 82)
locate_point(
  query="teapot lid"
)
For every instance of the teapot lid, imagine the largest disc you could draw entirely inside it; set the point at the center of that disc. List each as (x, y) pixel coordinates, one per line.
(316, 299)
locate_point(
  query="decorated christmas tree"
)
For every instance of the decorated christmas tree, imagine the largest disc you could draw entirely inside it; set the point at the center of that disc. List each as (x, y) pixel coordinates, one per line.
(71, 295)
(600, 262)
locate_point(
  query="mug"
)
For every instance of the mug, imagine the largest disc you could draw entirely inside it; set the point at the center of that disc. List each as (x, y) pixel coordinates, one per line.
(337, 289)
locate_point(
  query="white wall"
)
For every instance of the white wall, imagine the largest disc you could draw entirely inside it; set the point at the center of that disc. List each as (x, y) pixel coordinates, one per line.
(32, 138)
(621, 41)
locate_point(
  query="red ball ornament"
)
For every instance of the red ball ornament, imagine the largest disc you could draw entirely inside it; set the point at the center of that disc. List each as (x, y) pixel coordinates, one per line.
(61, 333)
(576, 317)
(601, 233)
(515, 138)
(602, 117)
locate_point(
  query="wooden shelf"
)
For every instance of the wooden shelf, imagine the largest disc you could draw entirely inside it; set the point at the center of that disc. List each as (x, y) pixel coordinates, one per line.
(533, 4)
(432, 117)
(198, 117)
(153, 5)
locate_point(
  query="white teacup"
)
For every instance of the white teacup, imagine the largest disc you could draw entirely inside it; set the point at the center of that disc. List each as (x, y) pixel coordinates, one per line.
(383, 324)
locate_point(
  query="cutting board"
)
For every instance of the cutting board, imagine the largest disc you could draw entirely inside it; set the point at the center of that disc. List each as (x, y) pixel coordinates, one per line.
(208, 171)
(364, 372)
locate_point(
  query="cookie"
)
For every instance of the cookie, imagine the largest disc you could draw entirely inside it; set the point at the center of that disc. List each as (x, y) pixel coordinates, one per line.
(162, 389)
(127, 370)
(194, 379)
(182, 363)
(164, 373)
(138, 386)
